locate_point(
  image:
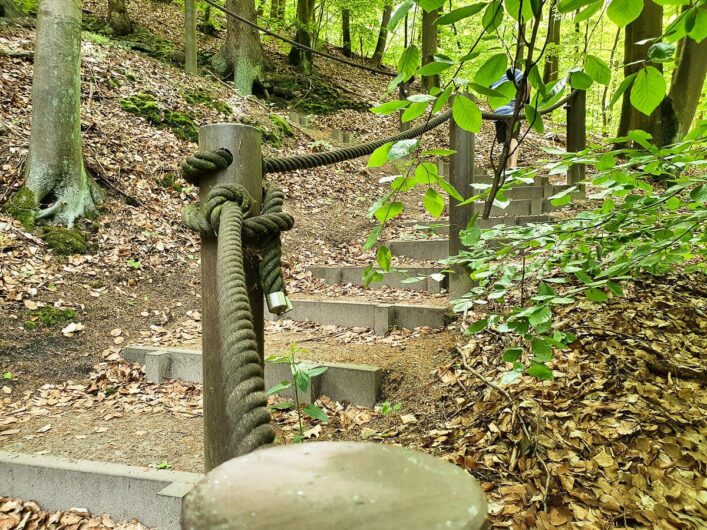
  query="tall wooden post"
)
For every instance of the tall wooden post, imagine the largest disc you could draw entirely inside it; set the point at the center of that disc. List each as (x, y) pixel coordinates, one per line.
(403, 93)
(461, 176)
(244, 143)
(576, 135)
(190, 36)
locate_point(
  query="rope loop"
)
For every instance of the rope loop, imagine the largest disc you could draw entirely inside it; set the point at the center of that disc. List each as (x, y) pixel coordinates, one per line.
(204, 163)
(220, 195)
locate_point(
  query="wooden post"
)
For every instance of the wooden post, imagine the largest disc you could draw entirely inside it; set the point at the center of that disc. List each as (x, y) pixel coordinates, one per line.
(336, 485)
(577, 135)
(403, 93)
(244, 143)
(190, 36)
(461, 175)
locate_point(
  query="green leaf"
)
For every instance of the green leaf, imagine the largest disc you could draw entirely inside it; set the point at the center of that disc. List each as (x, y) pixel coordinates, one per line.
(562, 198)
(519, 9)
(596, 295)
(434, 68)
(408, 62)
(438, 152)
(314, 371)
(511, 355)
(540, 316)
(621, 12)
(588, 11)
(7, 376)
(471, 236)
(491, 70)
(390, 107)
(401, 149)
(413, 111)
(442, 99)
(400, 13)
(699, 194)
(379, 157)
(430, 5)
(466, 114)
(451, 190)
(540, 371)
(315, 412)
(279, 387)
(301, 379)
(459, 14)
(493, 16)
(534, 118)
(648, 90)
(508, 90)
(597, 69)
(384, 257)
(433, 203)
(426, 173)
(625, 84)
(372, 238)
(371, 276)
(565, 6)
(282, 406)
(477, 327)
(542, 351)
(388, 212)
(661, 52)
(699, 31)
(580, 80)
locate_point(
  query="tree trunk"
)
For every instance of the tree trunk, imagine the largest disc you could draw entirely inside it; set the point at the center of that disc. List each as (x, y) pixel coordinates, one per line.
(302, 59)
(55, 173)
(382, 36)
(274, 8)
(346, 32)
(9, 9)
(118, 19)
(648, 25)
(605, 112)
(241, 54)
(685, 89)
(552, 58)
(429, 45)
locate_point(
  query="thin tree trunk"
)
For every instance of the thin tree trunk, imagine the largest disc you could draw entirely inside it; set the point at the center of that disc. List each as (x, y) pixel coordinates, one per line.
(552, 58)
(281, 9)
(648, 25)
(261, 9)
(241, 53)
(382, 35)
(346, 32)
(9, 9)
(118, 19)
(429, 45)
(274, 8)
(56, 174)
(605, 113)
(302, 59)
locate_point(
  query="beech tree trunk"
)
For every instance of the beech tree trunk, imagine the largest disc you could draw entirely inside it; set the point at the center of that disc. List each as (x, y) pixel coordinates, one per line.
(241, 54)
(648, 25)
(382, 36)
(275, 8)
(118, 19)
(55, 172)
(302, 59)
(552, 59)
(429, 45)
(346, 32)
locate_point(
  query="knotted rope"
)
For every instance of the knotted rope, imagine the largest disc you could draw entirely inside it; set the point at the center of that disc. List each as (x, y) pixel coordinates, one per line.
(229, 211)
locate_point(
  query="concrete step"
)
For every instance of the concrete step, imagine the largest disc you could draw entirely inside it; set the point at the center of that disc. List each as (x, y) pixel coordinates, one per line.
(420, 249)
(442, 228)
(358, 384)
(354, 275)
(379, 317)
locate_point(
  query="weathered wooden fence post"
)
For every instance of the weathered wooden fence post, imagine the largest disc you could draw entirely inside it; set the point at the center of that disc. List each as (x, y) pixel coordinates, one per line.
(403, 93)
(244, 143)
(461, 175)
(190, 36)
(576, 135)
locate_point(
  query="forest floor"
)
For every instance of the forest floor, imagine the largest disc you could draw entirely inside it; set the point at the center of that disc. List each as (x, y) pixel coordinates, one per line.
(620, 433)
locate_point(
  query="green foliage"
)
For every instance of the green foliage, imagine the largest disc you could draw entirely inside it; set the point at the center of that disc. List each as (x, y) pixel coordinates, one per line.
(201, 96)
(387, 407)
(22, 205)
(302, 374)
(65, 241)
(49, 317)
(146, 106)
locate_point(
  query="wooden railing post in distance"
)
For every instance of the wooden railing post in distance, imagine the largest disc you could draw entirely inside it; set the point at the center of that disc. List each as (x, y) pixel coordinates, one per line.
(190, 36)
(244, 143)
(461, 175)
(576, 136)
(403, 93)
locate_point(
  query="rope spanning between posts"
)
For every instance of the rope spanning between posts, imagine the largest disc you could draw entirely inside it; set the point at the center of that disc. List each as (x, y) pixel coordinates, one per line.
(228, 211)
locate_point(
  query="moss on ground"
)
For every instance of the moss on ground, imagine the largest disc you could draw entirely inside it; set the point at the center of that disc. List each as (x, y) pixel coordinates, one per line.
(201, 96)
(49, 316)
(65, 241)
(312, 95)
(22, 206)
(274, 133)
(146, 106)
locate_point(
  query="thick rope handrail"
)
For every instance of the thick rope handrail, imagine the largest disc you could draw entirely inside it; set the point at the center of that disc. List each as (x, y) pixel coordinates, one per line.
(229, 211)
(297, 44)
(292, 163)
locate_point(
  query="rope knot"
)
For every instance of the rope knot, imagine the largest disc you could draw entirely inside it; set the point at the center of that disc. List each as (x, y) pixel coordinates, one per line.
(204, 163)
(222, 194)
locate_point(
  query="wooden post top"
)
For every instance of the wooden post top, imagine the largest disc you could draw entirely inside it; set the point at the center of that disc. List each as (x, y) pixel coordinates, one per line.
(337, 486)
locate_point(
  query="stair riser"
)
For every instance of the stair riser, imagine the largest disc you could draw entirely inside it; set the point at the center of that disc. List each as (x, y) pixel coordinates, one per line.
(354, 276)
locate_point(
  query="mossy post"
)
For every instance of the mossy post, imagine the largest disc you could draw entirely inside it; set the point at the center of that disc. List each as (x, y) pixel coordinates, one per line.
(576, 135)
(190, 36)
(244, 143)
(335, 485)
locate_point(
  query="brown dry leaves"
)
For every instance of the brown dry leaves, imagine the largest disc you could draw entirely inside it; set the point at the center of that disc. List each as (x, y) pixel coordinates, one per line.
(27, 515)
(609, 442)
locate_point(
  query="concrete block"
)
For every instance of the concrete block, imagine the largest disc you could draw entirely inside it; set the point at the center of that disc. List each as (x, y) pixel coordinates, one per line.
(411, 316)
(346, 137)
(356, 383)
(421, 250)
(354, 275)
(537, 206)
(154, 497)
(157, 366)
(526, 192)
(384, 318)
